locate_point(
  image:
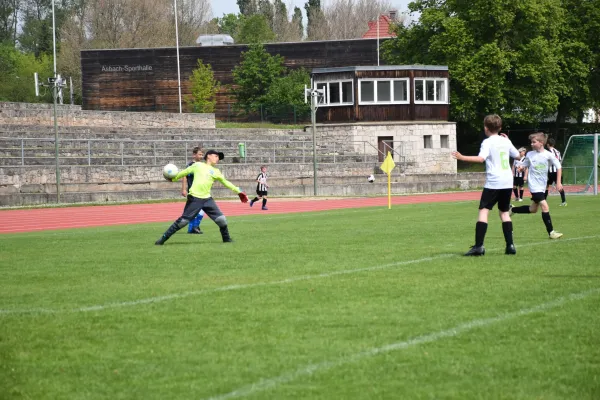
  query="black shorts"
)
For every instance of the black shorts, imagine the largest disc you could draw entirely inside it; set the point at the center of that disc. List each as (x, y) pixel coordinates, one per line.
(489, 198)
(261, 193)
(552, 178)
(518, 181)
(537, 197)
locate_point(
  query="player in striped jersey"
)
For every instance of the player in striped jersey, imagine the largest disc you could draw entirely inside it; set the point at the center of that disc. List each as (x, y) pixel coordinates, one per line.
(538, 161)
(519, 175)
(261, 188)
(552, 178)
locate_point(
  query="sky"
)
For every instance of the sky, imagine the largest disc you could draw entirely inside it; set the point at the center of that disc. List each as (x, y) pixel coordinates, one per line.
(220, 7)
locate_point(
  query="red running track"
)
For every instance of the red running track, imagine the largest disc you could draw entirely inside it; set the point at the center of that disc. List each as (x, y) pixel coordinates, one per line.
(13, 221)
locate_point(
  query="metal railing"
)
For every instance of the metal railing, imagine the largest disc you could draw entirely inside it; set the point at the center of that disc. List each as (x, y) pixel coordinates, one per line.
(128, 152)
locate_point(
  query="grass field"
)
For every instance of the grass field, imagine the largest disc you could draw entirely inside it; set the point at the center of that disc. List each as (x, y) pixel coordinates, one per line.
(349, 304)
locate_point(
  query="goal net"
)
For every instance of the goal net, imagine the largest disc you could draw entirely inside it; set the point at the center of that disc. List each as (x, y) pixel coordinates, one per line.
(580, 161)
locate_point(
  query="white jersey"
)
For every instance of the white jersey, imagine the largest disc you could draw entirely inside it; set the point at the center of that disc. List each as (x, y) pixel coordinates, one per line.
(538, 163)
(496, 151)
(556, 154)
(517, 172)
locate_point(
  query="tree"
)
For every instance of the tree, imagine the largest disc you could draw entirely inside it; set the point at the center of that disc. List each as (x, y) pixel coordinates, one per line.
(253, 77)
(9, 18)
(204, 89)
(316, 27)
(351, 17)
(16, 77)
(255, 29)
(502, 56)
(286, 95)
(230, 24)
(297, 25)
(247, 7)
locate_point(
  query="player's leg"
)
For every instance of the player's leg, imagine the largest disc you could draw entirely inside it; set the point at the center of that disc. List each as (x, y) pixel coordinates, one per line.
(264, 201)
(192, 207)
(256, 198)
(507, 226)
(214, 212)
(521, 193)
(552, 234)
(563, 197)
(486, 203)
(516, 190)
(194, 226)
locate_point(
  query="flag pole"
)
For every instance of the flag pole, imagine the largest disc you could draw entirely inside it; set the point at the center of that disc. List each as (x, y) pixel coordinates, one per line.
(389, 190)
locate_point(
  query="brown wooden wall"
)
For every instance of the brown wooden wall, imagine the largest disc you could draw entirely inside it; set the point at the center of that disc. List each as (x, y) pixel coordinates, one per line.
(156, 87)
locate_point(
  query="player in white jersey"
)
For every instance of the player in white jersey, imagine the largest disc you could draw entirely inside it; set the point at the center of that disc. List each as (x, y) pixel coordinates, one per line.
(538, 162)
(262, 188)
(495, 151)
(552, 176)
(519, 175)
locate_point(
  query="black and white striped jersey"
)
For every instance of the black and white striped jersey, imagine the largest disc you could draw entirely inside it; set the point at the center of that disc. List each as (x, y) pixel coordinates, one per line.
(517, 173)
(261, 180)
(556, 153)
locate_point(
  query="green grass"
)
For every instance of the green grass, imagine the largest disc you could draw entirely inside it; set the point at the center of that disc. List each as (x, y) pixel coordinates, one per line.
(302, 306)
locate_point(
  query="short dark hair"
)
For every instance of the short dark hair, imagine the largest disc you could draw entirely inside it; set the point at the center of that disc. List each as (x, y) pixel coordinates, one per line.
(551, 142)
(197, 149)
(493, 123)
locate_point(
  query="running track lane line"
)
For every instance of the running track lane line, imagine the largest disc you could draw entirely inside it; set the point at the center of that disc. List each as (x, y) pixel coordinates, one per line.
(41, 219)
(270, 383)
(176, 296)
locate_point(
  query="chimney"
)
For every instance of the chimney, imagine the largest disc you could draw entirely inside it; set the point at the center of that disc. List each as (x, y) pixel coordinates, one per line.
(393, 15)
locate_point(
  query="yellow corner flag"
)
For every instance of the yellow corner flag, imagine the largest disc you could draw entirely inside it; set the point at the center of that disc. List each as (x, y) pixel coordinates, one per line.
(387, 167)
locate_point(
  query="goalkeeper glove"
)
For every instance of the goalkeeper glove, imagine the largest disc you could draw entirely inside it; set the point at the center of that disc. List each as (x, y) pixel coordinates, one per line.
(243, 197)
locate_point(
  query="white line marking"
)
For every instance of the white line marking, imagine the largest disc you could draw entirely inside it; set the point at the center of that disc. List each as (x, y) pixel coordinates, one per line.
(176, 296)
(269, 383)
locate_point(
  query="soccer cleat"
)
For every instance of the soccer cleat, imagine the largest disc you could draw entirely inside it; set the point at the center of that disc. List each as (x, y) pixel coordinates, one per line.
(510, 249)
(196, 231)
(265, 208)
(251, 203)
(520, 200)
(563, 204)
(160, 241)
(476, 251)
(228, 240)
(555, 235)
(510, 211)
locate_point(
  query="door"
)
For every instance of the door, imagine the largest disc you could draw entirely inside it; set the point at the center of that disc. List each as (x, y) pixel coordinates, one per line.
(385, 144)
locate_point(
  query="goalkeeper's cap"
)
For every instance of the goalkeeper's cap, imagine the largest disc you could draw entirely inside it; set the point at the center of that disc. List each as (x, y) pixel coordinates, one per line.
(221, 155)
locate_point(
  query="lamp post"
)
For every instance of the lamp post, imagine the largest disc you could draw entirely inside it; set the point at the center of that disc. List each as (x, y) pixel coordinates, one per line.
(177, 46)
(54, 95)
(314, 104)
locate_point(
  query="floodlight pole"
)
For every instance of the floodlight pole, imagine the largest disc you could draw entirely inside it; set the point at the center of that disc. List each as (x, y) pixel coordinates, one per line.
(54, 95)
(596, 160)
(177, 45)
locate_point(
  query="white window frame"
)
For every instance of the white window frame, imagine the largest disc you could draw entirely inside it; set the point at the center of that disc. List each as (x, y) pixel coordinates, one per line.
(391, 81)
(435, 83)
(327, 99)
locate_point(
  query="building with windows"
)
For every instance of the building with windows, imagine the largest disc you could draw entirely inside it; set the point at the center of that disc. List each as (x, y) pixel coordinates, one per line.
(382, 93)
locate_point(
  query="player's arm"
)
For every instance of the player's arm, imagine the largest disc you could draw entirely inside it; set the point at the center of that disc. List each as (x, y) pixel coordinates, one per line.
(183, 173)
(184, 187)
(472, 159)
(219, 177)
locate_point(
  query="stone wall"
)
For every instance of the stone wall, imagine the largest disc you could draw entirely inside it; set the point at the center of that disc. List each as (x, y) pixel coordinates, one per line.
(67, 116)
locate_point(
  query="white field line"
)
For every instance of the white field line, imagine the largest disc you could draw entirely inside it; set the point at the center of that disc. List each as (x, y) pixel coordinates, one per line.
(176, 296)
(270, 383)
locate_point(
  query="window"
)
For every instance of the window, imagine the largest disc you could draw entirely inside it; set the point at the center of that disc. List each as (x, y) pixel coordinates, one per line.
(444, 141)
(383, 91)
(431, 91)
(337, 92)
(427, 142)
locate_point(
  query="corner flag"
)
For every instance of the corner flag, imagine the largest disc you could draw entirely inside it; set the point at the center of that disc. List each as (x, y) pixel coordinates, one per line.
(387, 167)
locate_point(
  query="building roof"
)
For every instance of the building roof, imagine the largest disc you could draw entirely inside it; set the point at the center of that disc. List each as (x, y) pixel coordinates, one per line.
(380, 68)
(384, 28)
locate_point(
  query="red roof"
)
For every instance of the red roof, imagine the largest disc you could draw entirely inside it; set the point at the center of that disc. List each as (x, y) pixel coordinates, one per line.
(384, 28)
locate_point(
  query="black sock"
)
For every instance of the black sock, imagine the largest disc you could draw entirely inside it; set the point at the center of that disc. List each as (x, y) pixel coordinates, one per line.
(480, 230)
(255, 199)
(546, 194)
(521, 192)
(563, 198)
(225, 233)
(172, 229)
(521, 210)
(516, 192)
(264, 202)
(547, 221)
(507, 229)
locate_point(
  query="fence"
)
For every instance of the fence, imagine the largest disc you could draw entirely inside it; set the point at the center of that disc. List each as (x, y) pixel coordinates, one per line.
(77, 152)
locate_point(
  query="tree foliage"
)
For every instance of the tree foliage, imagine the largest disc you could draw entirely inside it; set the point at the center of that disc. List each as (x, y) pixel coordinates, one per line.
(255, 29)
(204, 89)
(16, 79)
(253, 77)
(518, 59)
(286, 94)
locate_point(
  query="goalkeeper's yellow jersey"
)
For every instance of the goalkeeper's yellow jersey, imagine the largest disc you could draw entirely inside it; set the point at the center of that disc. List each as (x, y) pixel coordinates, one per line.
(204, 177)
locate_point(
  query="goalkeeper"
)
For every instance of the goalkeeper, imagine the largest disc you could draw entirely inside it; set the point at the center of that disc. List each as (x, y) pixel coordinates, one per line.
(199, 197)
